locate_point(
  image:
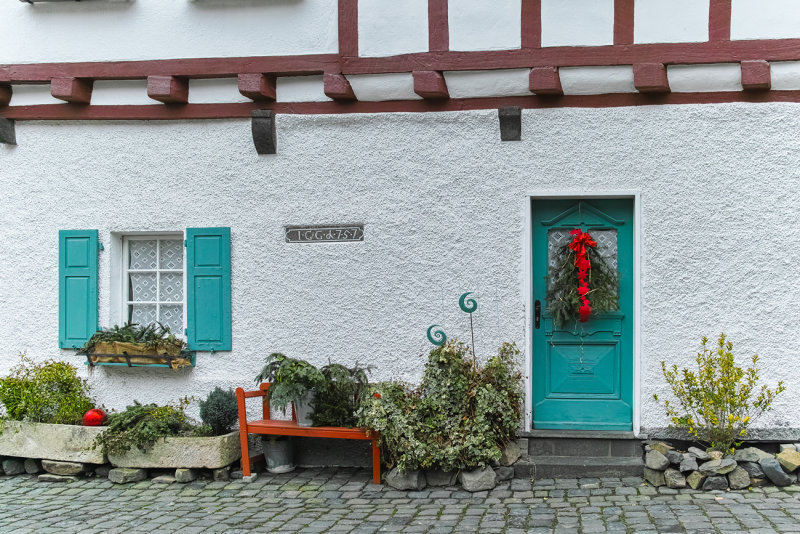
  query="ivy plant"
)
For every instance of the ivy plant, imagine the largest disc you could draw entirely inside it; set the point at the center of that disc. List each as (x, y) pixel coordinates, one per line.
(459, 417)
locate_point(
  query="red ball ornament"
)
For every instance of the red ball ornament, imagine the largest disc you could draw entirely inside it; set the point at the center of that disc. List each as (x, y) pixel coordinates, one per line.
(94, 417)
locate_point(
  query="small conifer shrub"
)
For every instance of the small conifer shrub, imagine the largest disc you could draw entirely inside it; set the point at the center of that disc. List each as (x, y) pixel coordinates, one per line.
(219, 411)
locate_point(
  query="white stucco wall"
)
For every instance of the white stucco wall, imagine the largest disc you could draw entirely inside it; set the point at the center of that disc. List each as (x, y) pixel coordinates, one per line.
(165, 29)
(670, 21)
(765, 19)
(444, 204)
(390, 28)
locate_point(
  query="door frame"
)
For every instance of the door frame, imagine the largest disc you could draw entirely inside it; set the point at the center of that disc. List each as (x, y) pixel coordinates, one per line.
(527, 291)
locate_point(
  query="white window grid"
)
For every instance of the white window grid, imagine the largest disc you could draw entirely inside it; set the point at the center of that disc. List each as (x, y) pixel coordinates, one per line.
(127, 271)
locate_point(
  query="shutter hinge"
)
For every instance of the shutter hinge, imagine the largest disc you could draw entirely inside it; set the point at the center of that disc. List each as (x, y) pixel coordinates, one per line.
(100, 246)
(185, 331)
(184, 244)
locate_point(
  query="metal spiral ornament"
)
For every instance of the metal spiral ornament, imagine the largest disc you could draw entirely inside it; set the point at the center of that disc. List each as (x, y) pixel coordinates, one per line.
(467, 305)
(437, 337)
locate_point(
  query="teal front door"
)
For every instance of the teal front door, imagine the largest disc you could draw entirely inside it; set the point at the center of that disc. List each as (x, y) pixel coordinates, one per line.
(582, 372)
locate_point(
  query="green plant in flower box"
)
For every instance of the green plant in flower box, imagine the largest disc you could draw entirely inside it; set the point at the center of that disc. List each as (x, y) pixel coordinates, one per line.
(46, 392)
(716, 403)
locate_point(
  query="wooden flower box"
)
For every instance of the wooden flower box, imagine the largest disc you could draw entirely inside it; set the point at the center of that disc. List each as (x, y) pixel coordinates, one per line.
(137, 354)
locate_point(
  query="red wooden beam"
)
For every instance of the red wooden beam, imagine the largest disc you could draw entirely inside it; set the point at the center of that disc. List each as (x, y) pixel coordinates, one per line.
(531, 26)
(5, 94)
(623, 22)
(244, 110)
(719, 20)
(430, 84)
(438, 26)
(572, 56)
(545, 81)
(650, 78)
(168, 89)
(348, 28)
(337, 87)
(186, 68)
(756, 75)
(257, 86)
(75, 90)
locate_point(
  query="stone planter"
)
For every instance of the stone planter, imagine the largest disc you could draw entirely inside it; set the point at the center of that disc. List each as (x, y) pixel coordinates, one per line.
(64, 443)
(173, 453)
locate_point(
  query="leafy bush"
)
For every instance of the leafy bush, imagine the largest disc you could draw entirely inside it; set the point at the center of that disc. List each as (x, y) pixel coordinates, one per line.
(460, 417)
(153, 336)
(141, 425)
(291, 379)
(219, 411)
(339, 396)
(717, 403)
(49, 392)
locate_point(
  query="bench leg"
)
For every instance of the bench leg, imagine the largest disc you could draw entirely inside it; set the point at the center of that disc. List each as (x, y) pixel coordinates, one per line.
(376, 462)
(245, 453)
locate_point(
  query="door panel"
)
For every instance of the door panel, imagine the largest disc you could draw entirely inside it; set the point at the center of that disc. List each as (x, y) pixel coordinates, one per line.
(583, 372)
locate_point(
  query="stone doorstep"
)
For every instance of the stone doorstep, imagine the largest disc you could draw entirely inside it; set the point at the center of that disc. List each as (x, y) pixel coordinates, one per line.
(578, 467)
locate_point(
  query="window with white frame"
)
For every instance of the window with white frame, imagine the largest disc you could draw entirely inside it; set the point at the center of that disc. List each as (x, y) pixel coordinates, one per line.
(153, 280)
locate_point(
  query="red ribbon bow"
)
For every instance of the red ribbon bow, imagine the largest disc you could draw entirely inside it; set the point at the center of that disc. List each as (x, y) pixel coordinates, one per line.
(580, 244)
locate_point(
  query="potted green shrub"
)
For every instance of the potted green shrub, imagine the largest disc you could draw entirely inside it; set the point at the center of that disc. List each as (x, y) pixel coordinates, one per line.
(153, 436)
(293, 381)
(134, 344)
(44, 403)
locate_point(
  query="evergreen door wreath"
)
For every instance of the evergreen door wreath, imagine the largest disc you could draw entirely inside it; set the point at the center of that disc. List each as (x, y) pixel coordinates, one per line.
(582, 281)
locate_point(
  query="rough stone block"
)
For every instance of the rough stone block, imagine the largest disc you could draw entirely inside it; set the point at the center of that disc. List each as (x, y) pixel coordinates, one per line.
(13, 466)
(252, 478)
(32, 466)
(49, 477)
(436, 477)
(689, 463)
(63, 468)
(753, 469)
(164, 479)
(695, 479)
(674, 479)
(783, 446)
(223, 473)
(750, 454)
(185, 476)
(193, 452)
(700, 454)
(660, 446)
(413, 480)
(123, 475)
(478, 479)
(511, 453)
(102, 471)
(738, 478)
(504, 473)
(262, 126)
(759, 482)
(654, 477)
(716, 455)
(789, 460)
(524, 468)
(64, 443)
(715, 483)
(773, 470)
(718, 467)
(236, 474)
(655, 460)
(674, 457)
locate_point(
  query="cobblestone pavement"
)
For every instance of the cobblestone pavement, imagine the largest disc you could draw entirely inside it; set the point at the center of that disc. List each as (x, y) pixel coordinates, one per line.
(343, 500)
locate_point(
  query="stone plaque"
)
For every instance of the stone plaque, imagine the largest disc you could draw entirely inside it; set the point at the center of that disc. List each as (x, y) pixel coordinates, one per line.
(333, 233)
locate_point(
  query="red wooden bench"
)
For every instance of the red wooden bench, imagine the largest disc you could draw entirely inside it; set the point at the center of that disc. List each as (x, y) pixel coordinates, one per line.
(275, 427)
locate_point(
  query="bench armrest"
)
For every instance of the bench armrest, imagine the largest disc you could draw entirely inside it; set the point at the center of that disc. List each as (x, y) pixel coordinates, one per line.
(241, 395)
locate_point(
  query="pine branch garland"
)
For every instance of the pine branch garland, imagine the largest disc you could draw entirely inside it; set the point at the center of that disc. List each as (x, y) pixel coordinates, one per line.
(563, 299)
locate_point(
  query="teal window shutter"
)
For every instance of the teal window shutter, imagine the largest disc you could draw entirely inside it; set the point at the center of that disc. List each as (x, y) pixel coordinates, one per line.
(77, 287)
(208, 288)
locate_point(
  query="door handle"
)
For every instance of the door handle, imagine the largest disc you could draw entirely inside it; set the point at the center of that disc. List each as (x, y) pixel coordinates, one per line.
(537, 314)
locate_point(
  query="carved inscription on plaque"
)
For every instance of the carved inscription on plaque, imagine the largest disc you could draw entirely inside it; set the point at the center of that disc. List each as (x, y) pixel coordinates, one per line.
(334, 233)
